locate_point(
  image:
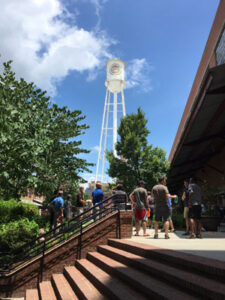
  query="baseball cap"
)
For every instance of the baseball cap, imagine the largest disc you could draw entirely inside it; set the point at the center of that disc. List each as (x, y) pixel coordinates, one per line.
(142, 182)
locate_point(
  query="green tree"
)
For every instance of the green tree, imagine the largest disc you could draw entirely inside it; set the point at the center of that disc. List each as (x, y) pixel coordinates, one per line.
(136, 159)
(39, 144)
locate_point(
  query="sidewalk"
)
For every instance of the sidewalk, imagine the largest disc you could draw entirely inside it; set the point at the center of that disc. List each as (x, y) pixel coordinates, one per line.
(212, 245)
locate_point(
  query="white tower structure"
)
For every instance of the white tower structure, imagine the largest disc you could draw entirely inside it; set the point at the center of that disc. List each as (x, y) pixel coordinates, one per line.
(115, 84)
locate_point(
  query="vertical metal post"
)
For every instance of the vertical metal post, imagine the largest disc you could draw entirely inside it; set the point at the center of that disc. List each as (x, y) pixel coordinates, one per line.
(106, 132)
(100, 143)
(123, 103)
(119, 225)
(114, 124)
(42, 262)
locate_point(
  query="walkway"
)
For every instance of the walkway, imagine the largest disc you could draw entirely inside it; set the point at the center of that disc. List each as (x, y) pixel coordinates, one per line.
(212, 245)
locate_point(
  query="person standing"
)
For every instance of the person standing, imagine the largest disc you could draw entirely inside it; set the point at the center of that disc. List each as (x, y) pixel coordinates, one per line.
(56, 206)
(120, 198)
(185, 199)
(194, 214)
(67, 207)
(151, 203)
(80, 201)
(161, 194)
(171, 212)
(139, 196)
(97, 198)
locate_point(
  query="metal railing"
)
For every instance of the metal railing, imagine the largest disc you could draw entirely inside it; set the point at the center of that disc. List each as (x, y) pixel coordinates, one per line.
(58, 235)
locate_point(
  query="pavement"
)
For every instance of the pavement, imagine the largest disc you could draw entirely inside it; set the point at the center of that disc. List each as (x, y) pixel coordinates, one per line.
(212, 245)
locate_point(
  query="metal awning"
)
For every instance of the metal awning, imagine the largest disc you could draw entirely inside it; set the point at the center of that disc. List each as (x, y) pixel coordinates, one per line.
(204, 133)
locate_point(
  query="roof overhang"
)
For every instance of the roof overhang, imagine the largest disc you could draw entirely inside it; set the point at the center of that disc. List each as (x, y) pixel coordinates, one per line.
(204, 131)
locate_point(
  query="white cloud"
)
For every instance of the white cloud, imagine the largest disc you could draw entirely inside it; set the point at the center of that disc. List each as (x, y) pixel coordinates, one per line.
(137, 75)
(95, 148)
(37, 36)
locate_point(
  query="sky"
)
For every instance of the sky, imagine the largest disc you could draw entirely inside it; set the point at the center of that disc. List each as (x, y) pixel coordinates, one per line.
(63, 46)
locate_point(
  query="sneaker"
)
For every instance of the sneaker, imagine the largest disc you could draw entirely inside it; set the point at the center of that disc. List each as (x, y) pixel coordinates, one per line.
(191, 236)
(156, 236)
(186, 233)
(199, 236)
(167, 237)
(172, 230)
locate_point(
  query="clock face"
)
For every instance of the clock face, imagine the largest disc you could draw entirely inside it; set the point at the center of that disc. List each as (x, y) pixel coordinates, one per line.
(115, 69)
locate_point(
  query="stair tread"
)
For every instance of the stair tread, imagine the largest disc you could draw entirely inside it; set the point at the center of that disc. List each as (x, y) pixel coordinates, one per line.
(46, 291)
(64, 289)
(114, 287)
(80, 282)
(32, 294)
(210, 266)
(144, 282)
(171, 273)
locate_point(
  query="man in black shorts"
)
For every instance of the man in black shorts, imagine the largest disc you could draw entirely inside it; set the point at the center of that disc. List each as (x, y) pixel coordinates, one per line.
(194, 204)
(161, 194)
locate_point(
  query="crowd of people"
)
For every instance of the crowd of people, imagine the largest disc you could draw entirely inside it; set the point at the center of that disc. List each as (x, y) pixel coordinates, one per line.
(158, 204)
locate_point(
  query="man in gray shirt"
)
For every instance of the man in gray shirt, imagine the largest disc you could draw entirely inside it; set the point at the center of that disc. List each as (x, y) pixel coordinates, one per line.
(139, 196)
(194, 204)
(161, 194)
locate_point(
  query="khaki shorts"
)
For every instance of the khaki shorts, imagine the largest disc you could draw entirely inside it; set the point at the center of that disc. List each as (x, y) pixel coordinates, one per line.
(186, 210)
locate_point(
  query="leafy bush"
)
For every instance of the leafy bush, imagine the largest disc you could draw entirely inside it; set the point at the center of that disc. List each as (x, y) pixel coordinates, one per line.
(13, 210)
(15, 234)
(178, 220)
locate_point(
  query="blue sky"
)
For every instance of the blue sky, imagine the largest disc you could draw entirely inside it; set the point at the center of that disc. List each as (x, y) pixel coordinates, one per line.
(63, 47)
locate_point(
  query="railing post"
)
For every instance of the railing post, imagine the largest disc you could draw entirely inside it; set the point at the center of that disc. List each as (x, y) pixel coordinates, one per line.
(42, 262)
(80, 240)
(119, 228)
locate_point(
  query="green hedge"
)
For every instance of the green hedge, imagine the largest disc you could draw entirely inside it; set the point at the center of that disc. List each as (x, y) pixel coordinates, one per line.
(13, 210)
(17, 233)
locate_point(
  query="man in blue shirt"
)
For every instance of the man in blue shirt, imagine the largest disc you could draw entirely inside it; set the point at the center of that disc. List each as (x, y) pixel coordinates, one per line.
(98, 197)
(56, 206)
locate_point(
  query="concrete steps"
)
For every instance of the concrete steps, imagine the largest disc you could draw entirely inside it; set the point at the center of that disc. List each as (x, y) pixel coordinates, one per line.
(211, 268)
(185, 280)
(143, 283)
(32, 294)
(128, 270)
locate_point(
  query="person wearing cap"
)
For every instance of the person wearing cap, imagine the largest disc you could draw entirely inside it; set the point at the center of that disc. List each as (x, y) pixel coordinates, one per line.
(56, 206)
(139, 196)
(161, 194)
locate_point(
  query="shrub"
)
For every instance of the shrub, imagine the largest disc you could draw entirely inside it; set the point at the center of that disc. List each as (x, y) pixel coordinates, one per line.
(178, 220)
(13, 210)
(16, 234)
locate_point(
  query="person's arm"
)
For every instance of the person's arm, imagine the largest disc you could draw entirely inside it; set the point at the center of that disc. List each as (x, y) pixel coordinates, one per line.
(171, 196)
(61, 211)
(183, 196)
(191, 192)
(146, 202)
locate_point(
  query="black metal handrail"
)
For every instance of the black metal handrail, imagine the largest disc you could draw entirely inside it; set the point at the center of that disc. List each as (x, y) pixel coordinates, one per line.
(58, 235)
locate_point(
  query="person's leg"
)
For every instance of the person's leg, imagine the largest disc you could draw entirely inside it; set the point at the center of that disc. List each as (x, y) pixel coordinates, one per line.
(156, 228)
(166, 226)
(171, 225)
(198, 221)
(199, 227)
(144, 225)
(137, 226)
(187, 224)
